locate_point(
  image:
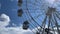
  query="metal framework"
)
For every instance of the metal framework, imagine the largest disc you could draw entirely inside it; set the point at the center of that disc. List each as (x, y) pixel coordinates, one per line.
(50, 13)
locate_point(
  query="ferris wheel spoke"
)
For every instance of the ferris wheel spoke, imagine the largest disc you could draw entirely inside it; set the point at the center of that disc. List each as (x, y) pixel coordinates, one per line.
(57, 16)
(43, 25)
(49, 22)
(38, 16)
(32, 30)
(52, 26)
(33, 25)
(53, 21)
(58, 12)
(32, 18)
(31, 21)
(44, 21)
(56, 23)
(37, 8)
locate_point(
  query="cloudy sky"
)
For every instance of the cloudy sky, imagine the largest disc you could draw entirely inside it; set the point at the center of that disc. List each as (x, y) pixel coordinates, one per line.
(4, 21)
(10, 23)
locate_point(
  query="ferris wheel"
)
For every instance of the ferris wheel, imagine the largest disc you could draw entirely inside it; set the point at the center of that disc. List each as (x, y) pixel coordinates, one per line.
(39, 14)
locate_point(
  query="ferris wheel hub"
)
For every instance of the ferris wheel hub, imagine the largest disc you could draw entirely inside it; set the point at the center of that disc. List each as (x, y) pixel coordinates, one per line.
(50, 11)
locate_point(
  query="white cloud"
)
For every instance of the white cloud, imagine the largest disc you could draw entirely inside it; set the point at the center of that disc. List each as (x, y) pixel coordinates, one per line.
(12, 30)
(4, 21)
(15, 30)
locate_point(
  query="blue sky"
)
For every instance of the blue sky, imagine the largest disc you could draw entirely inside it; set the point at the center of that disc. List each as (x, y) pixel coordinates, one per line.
(9, 17)
(10, 8)
(8, 11)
